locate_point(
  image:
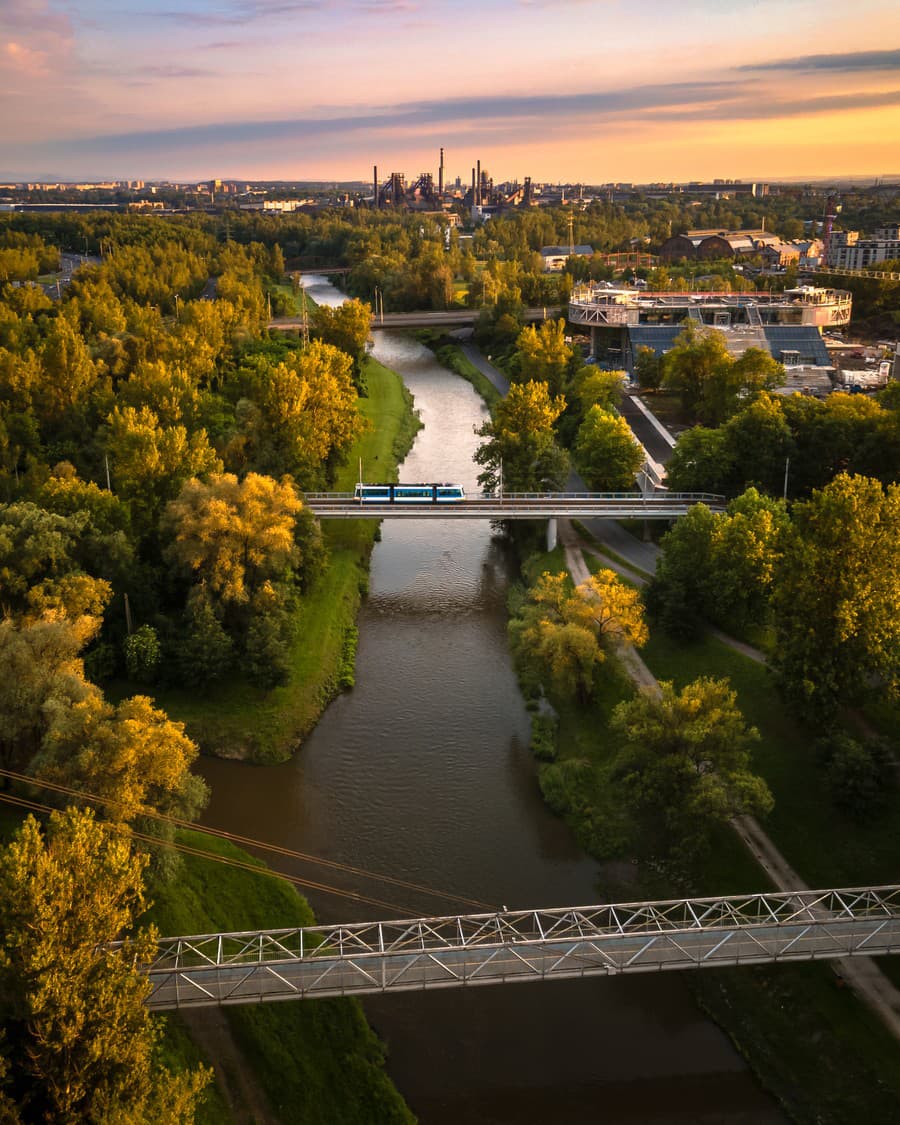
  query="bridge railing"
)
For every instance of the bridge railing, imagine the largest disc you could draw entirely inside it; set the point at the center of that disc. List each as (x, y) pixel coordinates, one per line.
(629, 497)
(458, 932)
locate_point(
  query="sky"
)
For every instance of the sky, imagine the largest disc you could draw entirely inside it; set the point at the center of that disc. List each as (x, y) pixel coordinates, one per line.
(581, 91)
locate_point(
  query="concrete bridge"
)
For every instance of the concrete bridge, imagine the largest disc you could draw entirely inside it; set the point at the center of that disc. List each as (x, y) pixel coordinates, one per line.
(451, 318)
(523, 945)
(520, 506)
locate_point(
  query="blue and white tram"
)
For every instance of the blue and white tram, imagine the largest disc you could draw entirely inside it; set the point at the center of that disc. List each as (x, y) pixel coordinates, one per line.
(409, 493)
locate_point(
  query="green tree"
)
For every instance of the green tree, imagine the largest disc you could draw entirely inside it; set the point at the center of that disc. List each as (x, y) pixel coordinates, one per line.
(837, 597)
(543, 356)
(150, 462)
(559, 631)
(85, 1048)
(647, 369)
(700, 462)
(686, 759)
(304, 415)
(607, 453)
(142, 654)
(521, 439)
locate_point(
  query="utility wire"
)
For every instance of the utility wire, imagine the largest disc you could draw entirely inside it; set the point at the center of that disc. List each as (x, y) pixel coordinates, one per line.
(249, 841)
(228, 861)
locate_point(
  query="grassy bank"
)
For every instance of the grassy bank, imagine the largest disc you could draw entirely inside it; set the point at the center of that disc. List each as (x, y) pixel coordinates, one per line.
(239, 719)
(450, 354)
(813, 1044)
(315, 1061)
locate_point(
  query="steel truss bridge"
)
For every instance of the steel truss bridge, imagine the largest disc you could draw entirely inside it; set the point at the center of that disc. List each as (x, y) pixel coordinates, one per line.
(520, 506)
(503, 948)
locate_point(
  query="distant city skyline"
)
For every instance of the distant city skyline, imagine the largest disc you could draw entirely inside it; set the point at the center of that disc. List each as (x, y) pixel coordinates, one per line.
(560, 90)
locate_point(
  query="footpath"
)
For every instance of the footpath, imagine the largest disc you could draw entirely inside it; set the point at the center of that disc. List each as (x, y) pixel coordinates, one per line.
(859, 973)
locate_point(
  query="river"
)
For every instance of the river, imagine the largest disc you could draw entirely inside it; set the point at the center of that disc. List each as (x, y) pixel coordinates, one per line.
(423, 772)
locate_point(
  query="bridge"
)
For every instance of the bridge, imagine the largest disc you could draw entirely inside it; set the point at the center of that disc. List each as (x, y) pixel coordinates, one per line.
(450, 318)
(520, 506)
(525, 945)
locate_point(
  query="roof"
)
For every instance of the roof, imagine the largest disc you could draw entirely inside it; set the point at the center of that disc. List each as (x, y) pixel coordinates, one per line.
(564, 251)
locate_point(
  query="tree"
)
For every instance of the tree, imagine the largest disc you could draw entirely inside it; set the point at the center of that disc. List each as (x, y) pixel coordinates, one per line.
(711, 383)
(236, 536)
(543, 356)
(593, 387)
(700, 461)
(608, 455)
(304, 415)
(698, 356)
(678, 594)
(86, 1047)
(41, 672)
(522, 439)
(559, 630)
(837, 597)
(130, 756)
(150, 463)
(647, 369)
(346, 327)
(686, 759)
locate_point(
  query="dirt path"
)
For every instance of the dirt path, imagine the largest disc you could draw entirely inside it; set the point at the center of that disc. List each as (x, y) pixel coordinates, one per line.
(210, 1031)
(860, 973)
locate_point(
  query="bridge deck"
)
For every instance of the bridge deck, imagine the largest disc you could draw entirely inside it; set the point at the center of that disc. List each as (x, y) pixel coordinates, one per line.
(502, 948)
(522, 506)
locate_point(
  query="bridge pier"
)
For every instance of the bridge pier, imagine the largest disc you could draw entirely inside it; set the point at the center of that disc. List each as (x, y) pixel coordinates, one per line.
(552, 533)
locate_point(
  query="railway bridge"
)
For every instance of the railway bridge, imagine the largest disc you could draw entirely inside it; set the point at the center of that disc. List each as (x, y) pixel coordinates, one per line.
(521, 506)
(513, 946)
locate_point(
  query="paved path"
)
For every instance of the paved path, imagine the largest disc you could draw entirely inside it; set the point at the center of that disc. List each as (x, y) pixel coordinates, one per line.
(860, 973)
(476, 357)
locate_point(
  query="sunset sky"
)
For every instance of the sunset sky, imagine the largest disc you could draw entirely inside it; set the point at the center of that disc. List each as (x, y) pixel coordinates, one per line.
(571, 90)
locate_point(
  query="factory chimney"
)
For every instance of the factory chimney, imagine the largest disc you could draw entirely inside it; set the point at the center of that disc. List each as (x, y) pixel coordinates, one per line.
(441, 176)
(375, 182)
(478, 185)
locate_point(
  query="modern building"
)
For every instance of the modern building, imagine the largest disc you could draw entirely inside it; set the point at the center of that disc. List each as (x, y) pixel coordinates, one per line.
(787, 325)
(847, 250)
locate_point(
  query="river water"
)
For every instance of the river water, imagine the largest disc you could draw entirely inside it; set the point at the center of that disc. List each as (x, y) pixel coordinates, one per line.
(423, 772)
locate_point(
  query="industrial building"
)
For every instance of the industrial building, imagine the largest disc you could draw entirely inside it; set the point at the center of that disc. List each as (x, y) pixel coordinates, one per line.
(787, 325)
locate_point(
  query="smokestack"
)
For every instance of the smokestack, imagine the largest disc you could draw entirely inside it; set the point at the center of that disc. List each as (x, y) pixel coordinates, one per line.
(441, 176)
(473, 187)
(478, 184)
(375, 183)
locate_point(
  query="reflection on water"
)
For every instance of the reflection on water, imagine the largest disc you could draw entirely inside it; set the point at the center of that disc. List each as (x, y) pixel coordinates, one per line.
(423, 772)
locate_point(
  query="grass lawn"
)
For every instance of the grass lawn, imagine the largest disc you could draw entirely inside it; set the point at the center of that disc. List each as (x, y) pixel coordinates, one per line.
(316, 1060)
(238, 719)
(826, 846)
(822, 1053)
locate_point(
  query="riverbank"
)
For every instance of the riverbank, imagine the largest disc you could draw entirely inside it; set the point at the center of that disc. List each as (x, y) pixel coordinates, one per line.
(825, 1056)
(239, 720)
(452, 354)
(296, 1061)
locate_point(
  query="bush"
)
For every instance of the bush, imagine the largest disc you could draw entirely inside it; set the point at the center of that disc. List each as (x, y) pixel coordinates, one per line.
(860, 774)
(142, 654)
(543, 737)
(564, 783)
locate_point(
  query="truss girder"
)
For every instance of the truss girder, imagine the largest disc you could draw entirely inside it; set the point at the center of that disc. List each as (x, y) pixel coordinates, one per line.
(443, 952)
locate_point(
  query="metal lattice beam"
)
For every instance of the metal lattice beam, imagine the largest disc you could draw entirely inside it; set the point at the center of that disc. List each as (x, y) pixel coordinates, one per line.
(455, 950)
(521, 505)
